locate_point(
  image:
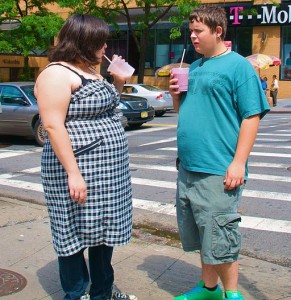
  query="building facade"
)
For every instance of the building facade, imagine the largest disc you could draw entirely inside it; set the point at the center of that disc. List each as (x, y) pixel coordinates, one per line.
(252, 28)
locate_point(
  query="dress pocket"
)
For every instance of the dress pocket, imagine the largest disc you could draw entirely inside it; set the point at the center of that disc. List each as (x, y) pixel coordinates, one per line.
(226, 238)
(89, 147)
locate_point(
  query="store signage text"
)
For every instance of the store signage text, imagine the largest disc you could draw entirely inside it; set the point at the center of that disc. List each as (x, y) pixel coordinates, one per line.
(266, 15)
(11, 61)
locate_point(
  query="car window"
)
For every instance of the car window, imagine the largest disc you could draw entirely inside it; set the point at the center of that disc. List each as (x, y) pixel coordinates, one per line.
(151, 87)
(29, 91)
(10, 95)
(127, 89)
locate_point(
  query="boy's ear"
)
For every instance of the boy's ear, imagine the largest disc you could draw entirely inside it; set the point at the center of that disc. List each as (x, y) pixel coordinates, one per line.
(218, 31)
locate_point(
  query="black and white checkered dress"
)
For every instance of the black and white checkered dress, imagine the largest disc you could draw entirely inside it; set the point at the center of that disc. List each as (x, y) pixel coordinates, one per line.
(101, 151)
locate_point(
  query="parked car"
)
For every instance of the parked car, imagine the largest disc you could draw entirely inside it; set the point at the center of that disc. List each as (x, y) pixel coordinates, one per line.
(159, 99)
(136, 109)
(19, 114)
(122, 117)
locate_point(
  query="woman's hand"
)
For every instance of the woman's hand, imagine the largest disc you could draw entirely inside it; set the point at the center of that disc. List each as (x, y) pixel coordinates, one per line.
(118, 80)
(78, 188)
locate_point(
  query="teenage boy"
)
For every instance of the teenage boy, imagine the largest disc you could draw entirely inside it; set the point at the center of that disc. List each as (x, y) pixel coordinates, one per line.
(218, 122)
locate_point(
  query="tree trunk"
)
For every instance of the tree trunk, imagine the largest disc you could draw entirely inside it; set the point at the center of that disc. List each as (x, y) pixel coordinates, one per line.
(143, 49)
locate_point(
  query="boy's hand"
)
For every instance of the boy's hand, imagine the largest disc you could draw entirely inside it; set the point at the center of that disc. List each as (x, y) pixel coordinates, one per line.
(234, 176)
(173, 86)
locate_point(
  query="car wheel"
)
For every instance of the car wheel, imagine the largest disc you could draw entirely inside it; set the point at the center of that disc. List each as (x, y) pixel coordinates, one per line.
(135, 126)
(39, 133)
(160, 113)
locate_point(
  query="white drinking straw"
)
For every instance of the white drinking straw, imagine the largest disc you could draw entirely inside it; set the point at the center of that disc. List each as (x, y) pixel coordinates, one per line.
(182, 58)
(107, 58)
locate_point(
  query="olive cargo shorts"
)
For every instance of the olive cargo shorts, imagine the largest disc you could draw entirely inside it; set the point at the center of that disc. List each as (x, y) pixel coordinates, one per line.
(207, 216)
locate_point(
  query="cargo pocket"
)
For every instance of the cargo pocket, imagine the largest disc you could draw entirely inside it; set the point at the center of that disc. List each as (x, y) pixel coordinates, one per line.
(86, 148)
(226, 238)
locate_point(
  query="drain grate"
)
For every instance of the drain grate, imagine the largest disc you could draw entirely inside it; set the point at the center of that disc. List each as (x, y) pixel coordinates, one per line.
(11, 282)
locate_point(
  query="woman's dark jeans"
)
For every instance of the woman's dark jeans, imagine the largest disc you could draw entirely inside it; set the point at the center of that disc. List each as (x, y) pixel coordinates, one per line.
(75, 277)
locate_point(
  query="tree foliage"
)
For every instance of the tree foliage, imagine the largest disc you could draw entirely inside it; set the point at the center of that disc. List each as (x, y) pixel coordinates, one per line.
(112, 11)
(37, 28)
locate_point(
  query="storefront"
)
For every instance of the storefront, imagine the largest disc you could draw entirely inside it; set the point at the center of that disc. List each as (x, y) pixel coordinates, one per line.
(11, 66)
(251, 29)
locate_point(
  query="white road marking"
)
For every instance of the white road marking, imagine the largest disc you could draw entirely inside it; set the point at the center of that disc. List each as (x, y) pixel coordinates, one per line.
(270, 154)
(252, 153)
(249, 222)
(246, 193)
(268, 165)
(272, 140)
(272, 146)
(274, 134)
(11, 153)
(149, 156)
(146, 130)
(20, 184)
(256, 223)
(160, 142)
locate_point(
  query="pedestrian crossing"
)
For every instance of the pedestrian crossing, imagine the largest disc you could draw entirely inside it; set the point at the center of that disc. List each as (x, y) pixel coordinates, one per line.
(264, 141)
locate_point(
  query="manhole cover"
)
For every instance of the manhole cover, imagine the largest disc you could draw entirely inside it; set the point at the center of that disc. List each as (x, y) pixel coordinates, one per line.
(11, 282)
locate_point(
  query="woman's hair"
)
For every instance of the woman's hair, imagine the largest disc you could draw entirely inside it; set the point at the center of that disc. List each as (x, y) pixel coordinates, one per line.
(79, 39)
(212, 16)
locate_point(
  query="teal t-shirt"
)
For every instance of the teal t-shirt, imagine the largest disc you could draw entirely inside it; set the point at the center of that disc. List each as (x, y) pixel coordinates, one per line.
(222, 92)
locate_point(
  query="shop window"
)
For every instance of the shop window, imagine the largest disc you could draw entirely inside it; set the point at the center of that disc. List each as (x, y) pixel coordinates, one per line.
(241, 39)
(286, 54)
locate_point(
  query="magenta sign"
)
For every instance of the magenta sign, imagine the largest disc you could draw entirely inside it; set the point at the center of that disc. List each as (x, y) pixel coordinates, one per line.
(259, 14)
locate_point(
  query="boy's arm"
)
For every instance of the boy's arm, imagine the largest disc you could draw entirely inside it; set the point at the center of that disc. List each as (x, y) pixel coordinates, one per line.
(235, 173)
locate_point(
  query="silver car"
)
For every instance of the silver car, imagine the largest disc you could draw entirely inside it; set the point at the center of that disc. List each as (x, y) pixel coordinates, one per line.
(159, 99)
(19, 114)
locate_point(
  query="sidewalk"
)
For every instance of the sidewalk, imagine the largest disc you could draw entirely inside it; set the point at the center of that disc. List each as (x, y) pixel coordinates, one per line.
(146, 267)
(283, 106)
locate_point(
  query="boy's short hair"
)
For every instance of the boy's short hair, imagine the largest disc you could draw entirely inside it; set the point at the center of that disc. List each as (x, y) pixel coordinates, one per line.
(212, 16)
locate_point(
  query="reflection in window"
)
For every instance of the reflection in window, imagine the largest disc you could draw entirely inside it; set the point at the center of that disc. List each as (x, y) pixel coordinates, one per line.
(286, 53)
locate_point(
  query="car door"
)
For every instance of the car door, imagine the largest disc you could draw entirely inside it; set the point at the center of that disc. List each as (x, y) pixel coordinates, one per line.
(15, 118)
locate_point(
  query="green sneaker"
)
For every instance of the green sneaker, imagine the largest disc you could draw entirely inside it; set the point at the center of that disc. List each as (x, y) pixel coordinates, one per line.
(234, 295)
(201, 293)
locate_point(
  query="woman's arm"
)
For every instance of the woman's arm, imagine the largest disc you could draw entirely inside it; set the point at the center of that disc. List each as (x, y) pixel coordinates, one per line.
(53, 92)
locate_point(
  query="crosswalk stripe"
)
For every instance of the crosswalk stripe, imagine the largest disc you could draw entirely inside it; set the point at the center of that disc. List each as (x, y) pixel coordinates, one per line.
(251, 176)
(159, 142)
(272, 140)
(273, 134)
(272, 146)
(268, 165)
(11, 153)
(256, 223)
(149, 156)
(252, 153)
(270, 154)
(270, 177)
(246, 193)
(20, 184)
(146, 130)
